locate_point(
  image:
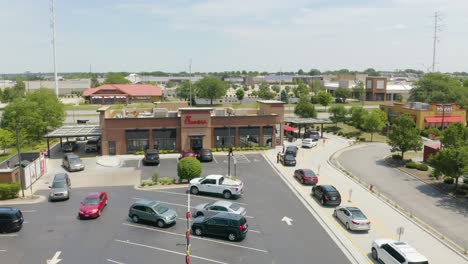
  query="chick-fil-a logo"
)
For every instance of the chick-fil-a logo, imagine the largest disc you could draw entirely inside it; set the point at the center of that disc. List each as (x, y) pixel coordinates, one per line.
(188, 121)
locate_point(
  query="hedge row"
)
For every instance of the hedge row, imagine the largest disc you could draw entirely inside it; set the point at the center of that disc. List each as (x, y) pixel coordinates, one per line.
(418, 166)
(239, 149)
(9, 190)
(162, 151)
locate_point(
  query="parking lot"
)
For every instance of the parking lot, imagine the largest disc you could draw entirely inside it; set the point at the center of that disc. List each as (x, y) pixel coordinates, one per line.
(54, 227)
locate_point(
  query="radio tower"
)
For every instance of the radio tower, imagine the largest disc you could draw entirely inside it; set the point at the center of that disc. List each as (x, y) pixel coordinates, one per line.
(436, 38)
(52, 25)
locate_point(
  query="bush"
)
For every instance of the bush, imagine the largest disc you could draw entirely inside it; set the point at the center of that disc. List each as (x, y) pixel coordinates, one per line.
(362, 139)
(155, 177)
(422, 167)
(464, 186)
(434, 131)
(189, 168)
(435, 174)
(397, 157)
(465, 179)
(147, 183)
(166, 181)
(139, 152)
(461, 192)
(411, 165)
(9, 190)
(449, 180)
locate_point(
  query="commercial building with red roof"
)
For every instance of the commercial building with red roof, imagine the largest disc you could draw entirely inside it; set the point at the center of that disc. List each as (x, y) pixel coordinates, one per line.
(123, 93)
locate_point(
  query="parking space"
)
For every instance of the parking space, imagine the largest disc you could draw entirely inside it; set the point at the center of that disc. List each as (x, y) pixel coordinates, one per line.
(113, 238)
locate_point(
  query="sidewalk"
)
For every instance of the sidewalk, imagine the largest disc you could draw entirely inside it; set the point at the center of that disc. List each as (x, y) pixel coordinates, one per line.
(384, 217)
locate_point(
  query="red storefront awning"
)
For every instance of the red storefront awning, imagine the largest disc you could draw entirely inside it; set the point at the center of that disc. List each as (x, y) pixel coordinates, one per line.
(288, 128)
(446, 119)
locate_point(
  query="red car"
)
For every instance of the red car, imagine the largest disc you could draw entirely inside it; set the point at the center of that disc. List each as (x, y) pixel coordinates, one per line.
(306, 176)
(187, 154)
(92, 205)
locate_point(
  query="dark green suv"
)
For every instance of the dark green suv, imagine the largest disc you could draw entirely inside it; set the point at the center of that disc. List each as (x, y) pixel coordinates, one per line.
(232, 226)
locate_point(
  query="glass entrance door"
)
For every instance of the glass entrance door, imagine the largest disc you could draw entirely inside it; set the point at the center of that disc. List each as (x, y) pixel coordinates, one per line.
(196, 143)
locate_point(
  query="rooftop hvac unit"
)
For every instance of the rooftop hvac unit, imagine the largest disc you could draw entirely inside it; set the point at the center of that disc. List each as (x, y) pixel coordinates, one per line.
(172, 114)
(160, 112)
(220, 112)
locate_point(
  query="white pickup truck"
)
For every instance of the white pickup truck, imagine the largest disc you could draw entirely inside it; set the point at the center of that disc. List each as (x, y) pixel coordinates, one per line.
(217, 184)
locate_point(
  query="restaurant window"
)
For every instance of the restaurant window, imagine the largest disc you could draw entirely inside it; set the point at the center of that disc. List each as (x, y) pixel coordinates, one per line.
(249, 136)
(164, 139)
(267, 136)
(224, 137)
(137, 140)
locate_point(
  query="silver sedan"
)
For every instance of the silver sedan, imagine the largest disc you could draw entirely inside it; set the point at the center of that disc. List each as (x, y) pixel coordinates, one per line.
(209, 209)
(352, 218)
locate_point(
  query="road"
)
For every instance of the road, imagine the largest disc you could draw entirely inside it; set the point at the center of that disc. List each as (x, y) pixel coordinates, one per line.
(446, 214)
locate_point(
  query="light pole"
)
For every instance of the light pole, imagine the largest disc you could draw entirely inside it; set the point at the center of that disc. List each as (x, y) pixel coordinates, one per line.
(19, 159)
(187, 232)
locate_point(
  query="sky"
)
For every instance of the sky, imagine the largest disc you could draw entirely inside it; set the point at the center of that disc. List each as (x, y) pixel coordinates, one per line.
(222, 35)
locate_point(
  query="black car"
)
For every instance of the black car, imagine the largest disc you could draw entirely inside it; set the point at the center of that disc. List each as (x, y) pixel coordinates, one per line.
(291, 150)
(205, 155)
(232, 226)
(151, 157)
(11, 219)
(327, 194)
(69, 146)
(288, 160)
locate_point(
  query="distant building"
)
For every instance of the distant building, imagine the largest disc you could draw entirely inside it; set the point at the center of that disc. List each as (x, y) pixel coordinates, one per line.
(309, 79)
(376, 88)
(163, 80)
(237, 80)
(66, 87)
(123, 93)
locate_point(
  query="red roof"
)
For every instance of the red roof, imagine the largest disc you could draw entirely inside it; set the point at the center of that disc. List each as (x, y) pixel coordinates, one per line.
(130, 89)
(447, 119)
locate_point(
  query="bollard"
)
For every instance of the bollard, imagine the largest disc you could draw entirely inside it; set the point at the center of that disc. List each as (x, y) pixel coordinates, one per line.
(371, 187)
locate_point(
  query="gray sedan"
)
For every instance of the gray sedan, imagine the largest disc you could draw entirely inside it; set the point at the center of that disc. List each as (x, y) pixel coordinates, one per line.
(352, 218)
(209, 209)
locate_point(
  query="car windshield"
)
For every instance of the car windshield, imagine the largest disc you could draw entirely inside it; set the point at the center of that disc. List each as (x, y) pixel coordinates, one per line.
(160, 209)
(357, 214)
(234, 207)
(151, 154)
(289, 157)
(74, 160)
(309, 173)
(91, 201)
(59, 184)
(307, 140)
(209, 204)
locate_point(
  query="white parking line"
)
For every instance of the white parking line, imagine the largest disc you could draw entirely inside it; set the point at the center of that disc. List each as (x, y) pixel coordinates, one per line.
(195, 237)
(28, 211)
(255, 231)
(2, 250)
(8, 235)
(215, 160)
(201, 197)
(25, 222)
(185, 219)
(113, 261)
(167, 250)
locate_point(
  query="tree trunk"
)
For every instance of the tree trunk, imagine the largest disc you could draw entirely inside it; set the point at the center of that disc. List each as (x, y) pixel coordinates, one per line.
(456, 182)
(402, 155)
(211, 100)
(371, 136)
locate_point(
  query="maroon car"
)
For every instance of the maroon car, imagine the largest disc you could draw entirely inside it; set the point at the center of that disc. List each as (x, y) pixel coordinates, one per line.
(306, 176)
(187, 154)
(92, 205)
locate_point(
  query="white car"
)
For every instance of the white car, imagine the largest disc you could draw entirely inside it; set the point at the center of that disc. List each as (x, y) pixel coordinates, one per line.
(390, 251)
(308, 143)
(210, 209)
(352, 218)
(217, 184)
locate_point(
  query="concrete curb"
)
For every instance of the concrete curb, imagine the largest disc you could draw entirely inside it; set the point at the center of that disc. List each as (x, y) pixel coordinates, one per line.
(26, 200)
(418, 222)
(161, 187)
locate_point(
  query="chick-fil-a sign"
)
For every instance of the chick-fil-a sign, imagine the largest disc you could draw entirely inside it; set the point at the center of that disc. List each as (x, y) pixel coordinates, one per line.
(188, 121)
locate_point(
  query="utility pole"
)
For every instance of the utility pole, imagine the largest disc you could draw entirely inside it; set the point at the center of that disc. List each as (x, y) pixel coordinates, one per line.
(187, 232)
(190, 81)
(436, 38)
(52, 24)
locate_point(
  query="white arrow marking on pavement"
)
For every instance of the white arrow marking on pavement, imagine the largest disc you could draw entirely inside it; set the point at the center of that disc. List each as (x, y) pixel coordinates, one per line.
(287, 220)
(55, 259)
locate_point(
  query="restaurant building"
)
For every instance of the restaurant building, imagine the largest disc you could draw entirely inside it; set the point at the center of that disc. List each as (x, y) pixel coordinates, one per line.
(427, 115)
(123, 94)
(130, 130)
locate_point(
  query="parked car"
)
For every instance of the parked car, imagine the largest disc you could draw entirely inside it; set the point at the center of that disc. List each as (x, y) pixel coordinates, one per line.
(11, 219)
(288, 160)
(390, 251)
(69, 146)
(217, 184)
(306, 176)
(60, 188)
(187, 154)
(152, 211)
(291, 150)
(205, 155)
(72, 162)
(308, 143)
(92, 145)
(327, 194)
(151, 157)
(92, 205)
(210, 209)
(232, 226)
(313, 134)
(352, 218)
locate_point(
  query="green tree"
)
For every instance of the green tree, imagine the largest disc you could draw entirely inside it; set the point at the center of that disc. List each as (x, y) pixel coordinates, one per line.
(399, 98)
(304, 108)
(437, 88)
(455, 135)
(115, 78)
(371, 72)
(276, 88)
(302, 89)
(314, 72)
(284, 97)
(374, 121)
(264, 92)
(300, 72)
(254, 93)
(403, 135)
(171, 84)
(342, 94)
(339, 113)
(315, 86)
(246, 88)
(357, 114)
(288, 89)
(6, 139)
(94, 81)
(189, 168)
(240, 94)
(358, 91)
(183, 91)
(452, 162)
(210, 88)
(324, 98)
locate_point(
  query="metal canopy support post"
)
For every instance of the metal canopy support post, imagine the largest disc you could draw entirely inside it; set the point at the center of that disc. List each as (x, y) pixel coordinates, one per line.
(48, 148)
(19, 160)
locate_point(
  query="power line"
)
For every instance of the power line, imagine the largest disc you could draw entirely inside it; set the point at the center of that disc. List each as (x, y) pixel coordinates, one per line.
(437, 28)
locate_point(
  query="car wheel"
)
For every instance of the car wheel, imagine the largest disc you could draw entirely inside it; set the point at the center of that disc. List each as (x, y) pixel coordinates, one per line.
(194, 190)
(313, 192)
(232, 237)
(374, 254)
(160, 223)
(135, 218)
(347, 225)
(302, 180)
(227, 194)
(198, 231)
(199, 214)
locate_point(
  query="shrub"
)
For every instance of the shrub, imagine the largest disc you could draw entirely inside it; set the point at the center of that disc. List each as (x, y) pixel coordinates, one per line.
(449, 180)
(461, 192)
(155, 177)
(397, 157)
(411, 165)
(166, 181)
(464, 186)
(9, 190)
(435, 173)
(147, 183)
(465, 179)
(363, 139)
(189, 168)
(139, 152)
(422, 167)
(213, 150)
(434, 131)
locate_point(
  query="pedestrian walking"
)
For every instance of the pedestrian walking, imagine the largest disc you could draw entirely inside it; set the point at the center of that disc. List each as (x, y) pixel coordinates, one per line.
(278, 157)
(283, 148)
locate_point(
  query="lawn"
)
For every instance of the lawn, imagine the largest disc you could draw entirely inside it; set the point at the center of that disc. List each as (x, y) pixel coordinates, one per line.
(35, 147)
(350, 129)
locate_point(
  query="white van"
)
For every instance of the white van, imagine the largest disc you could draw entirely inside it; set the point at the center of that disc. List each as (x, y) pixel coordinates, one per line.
(394, 252)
